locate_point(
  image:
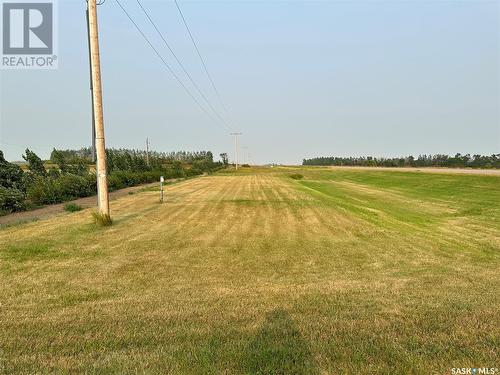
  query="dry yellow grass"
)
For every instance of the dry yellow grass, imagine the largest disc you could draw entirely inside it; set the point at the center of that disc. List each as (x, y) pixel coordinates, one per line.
(256, 273)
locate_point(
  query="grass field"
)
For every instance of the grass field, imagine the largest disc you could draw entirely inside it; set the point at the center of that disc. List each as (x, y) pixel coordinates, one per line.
(343, 271)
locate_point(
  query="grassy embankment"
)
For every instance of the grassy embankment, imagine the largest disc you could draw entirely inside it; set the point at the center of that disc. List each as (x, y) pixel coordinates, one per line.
(339, 272)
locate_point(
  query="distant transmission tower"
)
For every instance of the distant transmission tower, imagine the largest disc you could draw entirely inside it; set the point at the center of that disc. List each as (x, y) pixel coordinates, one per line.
(236, 150)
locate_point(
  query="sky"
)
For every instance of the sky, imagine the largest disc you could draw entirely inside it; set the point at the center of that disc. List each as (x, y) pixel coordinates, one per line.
(298, 79)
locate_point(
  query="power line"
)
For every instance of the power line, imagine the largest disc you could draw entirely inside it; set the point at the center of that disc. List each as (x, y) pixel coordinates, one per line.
(199, 55)
(182, 66)
(165, 63)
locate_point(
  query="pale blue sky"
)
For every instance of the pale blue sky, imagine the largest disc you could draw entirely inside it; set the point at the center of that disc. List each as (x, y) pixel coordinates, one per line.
(300, 79)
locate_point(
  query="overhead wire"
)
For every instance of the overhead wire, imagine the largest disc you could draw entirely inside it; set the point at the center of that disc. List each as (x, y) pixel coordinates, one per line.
(201, 57)
(182, 66)
(168, 66)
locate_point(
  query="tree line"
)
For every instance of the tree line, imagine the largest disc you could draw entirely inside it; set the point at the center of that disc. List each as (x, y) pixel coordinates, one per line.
(70, 174)
(438, 160)
(85, 155)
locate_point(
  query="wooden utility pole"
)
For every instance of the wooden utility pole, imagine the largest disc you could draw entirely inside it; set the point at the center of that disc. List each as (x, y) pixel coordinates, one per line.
(91, 89)
(236, 134)
(245, 148)
(147, 151)
(95, 66)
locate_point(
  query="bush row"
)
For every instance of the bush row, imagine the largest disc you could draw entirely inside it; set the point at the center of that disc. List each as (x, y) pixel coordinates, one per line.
(49, 190)
(20, 190)
(122, 179)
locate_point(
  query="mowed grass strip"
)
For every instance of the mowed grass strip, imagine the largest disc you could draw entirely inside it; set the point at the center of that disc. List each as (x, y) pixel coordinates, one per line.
(256, 272)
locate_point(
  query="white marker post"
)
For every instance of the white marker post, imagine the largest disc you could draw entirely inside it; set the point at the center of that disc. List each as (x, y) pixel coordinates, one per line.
(162, 180)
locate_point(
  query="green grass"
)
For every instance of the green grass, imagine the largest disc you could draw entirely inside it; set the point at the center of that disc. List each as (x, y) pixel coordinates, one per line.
(72, 207)
(28, 251)
(101, 220)
(18, 222)
(297, 176)
(253, 272)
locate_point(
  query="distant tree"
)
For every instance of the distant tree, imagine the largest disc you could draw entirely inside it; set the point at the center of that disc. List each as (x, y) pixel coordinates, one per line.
(177, 169)
(438, 160)
(11, 175)
(225, 159)
(35, 164)
(78, 168)
(58, 157)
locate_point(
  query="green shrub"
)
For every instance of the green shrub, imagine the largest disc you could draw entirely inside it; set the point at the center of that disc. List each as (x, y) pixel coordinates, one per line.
(43, 190)
(53, 173)
(122, 179)
(72, 207)
(101, 220)
(192, 172)
(114, 182)
(70, 186)
(11, 200)
(11, 175)
(297, 176)
(47, 190)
